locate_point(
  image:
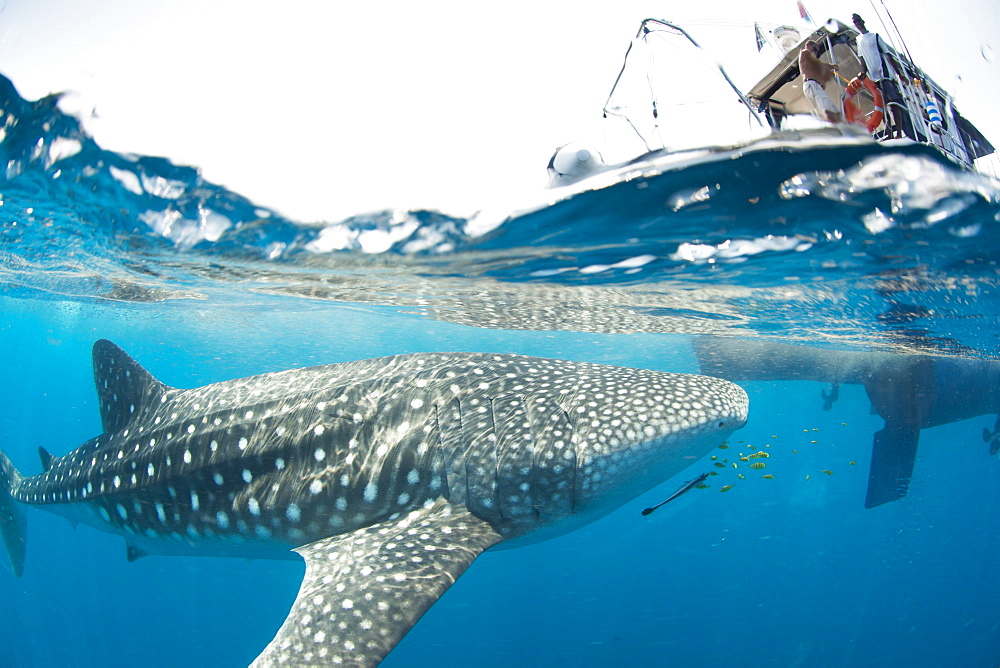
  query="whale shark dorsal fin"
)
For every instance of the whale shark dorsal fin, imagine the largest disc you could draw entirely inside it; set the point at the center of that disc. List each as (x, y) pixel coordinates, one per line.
(124, 388)
(47, 458)
(359, 597)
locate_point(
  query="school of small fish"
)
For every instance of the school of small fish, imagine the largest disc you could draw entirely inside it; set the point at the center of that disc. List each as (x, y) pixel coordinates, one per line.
(752, 454)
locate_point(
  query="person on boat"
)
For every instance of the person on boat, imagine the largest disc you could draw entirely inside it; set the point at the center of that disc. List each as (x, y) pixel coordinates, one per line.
(815, 73)
(873, 56)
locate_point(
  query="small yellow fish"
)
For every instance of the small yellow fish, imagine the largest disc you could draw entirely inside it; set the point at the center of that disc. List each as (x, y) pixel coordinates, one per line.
(774, 437)
(853, 463)
(741, 476)
(828, 471)
(725, 488)
(758, 455)
(714, 457)
(768, 476)
(735, 465)
(751, 447)
(814, 442)
(815, 429)
(806, 431)
(724, 446)
(808, 476)
(795, 451)
(844, 423)
(744, 459)
(713, 473)
(719, 465)
(758, 465)
(701, 485)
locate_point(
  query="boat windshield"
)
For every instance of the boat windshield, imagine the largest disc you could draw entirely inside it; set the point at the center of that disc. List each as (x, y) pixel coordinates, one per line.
(671, 94)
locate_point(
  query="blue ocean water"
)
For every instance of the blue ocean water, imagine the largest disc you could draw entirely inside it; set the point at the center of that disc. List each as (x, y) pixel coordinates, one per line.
(844, 247)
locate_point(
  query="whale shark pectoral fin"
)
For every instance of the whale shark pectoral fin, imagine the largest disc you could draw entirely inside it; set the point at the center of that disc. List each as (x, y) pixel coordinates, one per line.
(364, 590)
(894, 451)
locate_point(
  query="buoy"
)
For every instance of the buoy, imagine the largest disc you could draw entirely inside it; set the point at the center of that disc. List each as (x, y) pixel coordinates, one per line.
(851, 111)
(934, 114)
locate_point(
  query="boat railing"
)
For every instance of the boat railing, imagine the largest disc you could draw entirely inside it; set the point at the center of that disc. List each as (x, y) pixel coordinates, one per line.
(930, 123)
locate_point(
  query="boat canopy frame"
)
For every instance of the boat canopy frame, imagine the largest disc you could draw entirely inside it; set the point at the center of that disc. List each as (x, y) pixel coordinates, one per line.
(648, 27)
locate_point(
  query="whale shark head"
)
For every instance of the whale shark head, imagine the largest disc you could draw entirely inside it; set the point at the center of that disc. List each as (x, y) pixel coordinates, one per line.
(388, 476)
(577, 440)
(653, 429)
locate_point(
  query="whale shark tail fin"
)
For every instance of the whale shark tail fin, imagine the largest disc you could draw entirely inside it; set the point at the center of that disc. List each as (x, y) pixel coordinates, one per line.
(13, 524)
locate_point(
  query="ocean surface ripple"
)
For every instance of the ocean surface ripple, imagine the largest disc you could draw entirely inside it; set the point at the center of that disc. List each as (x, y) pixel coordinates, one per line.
(886, 247)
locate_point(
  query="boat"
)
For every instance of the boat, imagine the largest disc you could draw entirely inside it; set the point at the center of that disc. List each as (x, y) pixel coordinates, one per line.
(679, 107)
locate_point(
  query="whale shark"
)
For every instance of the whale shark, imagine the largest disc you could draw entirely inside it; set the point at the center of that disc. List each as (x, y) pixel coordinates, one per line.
(387, 476)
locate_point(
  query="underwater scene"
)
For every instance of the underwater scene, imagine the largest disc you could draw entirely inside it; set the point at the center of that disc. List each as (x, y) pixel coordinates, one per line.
(833, 459)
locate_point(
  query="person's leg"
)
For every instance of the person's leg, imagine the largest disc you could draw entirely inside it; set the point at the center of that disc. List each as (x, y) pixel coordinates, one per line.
(897, 121)
(892, 100)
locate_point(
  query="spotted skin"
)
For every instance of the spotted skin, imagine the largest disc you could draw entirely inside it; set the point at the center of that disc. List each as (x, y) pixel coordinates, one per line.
(388, 476)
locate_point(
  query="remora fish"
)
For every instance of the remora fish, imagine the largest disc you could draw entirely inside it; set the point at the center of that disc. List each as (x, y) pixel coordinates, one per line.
(686, 487)
(388, 476)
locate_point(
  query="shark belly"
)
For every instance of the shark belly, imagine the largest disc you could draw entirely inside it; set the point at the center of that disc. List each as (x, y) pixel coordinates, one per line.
(198, 542)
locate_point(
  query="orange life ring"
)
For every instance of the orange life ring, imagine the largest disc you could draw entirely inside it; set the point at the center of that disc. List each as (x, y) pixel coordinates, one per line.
(851, 112)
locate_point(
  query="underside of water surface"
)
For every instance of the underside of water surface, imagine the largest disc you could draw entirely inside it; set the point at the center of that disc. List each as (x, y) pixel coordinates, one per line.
(865, 245)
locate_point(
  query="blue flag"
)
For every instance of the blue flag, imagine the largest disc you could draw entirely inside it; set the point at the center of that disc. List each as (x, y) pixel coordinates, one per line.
(760, 37)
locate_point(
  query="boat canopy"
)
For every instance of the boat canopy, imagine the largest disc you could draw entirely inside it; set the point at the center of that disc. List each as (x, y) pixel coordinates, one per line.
(779, 93)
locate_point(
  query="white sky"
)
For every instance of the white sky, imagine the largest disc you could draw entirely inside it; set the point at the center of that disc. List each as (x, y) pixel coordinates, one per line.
(325, 109)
